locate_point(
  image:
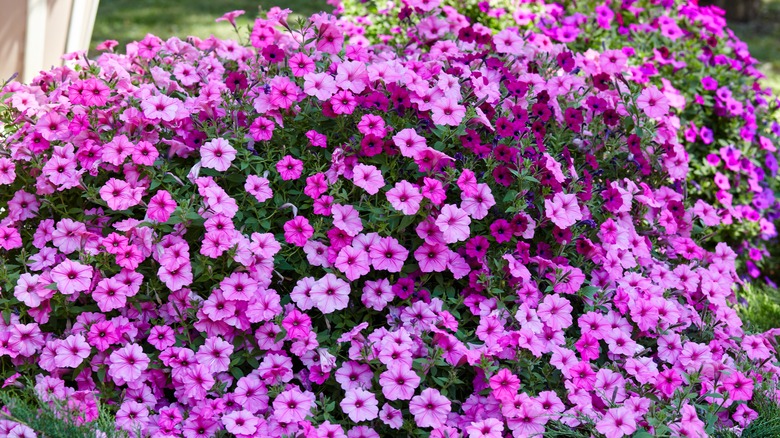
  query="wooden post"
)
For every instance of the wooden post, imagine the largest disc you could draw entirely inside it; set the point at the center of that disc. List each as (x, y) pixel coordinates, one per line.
(34, 34)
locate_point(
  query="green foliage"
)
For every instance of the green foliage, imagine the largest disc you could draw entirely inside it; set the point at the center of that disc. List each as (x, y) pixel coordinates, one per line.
(759, 307)
(47, 420)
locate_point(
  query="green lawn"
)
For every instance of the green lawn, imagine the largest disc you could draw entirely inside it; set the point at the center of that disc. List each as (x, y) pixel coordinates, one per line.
(131, 20)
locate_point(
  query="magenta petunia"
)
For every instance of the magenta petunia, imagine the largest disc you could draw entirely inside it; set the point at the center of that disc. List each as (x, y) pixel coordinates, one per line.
(289, 168)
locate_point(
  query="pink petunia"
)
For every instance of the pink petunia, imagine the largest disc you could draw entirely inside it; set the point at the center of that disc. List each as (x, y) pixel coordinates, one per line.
(347, 219)
(453, 223)
(405, 197)
(369, 178)
(230, 17)
(447, 111)
(478, 203)
(110, 294)
(388, 254)
(616, 423)
(399, 382)
(320, 85)
(7, 171)
(563, 210)
(10, 238)
(555, 312)
(72, 351)
(293, 405)
(360, 405)
(161, 206)
(258, 187)
(430, 408)
(653, 102)
(432, 257)
(240, 422)
(128, 363)
(119, 195)
(504, 385)
(353, 262)
(297, 231)
(289, 168)
(330, 293)
(409, 142)
(71, 277)
(217, 154)
(160, 107)
(738, 386)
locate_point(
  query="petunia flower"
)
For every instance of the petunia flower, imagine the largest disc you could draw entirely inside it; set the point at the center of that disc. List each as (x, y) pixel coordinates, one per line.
(330, 293)
(369, 178)
(616, 423)
(289, 168)
(399, 382)
(453, 223)
(430, 408)
(359, 405)
(562, 210)
(217, 154)
(292, 405)
(405, 197)
(72, 277)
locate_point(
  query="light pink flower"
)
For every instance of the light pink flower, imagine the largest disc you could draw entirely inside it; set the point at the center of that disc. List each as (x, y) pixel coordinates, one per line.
(360, 405)
(71, 277)
(217, 154)
(399, 382)
(353, 262)
(453, 223)
(653, 102)
(447, 111)
(405, 197)
(293, 405)
(330, 293)
(347, 219)
(258, 187)
(430, 408)
(72, 351)
(388, 254)
(563, 210)
(368, 178)
(616, 423)
(128, 363)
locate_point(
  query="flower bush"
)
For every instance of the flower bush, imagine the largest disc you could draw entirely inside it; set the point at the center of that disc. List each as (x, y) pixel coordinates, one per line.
(467, 234)
(725, 119)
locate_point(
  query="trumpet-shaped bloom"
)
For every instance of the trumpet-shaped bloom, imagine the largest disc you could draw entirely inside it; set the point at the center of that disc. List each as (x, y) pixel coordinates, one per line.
(71, 277)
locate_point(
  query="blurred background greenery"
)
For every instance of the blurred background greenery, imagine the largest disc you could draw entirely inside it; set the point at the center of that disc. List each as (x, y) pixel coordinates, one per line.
(762, 35)
(131, 20)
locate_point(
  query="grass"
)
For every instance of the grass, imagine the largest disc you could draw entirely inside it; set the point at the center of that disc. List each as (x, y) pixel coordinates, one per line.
(131, 20)
(763, 37)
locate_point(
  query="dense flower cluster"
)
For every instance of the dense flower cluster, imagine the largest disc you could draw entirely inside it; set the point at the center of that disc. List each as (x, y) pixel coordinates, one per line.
(469, 235)
(722, 116)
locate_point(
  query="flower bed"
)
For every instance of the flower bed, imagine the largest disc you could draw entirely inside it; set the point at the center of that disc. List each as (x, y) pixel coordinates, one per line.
(724, 118)
(478, 235)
